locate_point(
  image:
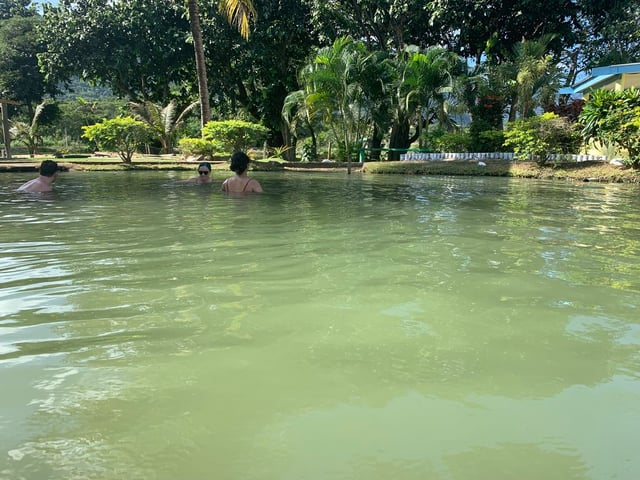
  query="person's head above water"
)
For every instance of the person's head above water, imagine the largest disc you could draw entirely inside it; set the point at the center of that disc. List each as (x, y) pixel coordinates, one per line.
(48, 168)
(204, 168)
(48, 173)
(239, 162)
(240, 182)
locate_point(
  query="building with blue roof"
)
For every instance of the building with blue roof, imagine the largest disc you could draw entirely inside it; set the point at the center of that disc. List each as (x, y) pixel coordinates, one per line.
(612, 77)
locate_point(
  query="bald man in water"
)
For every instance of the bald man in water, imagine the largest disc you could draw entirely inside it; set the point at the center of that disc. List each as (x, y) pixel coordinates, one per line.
(44, 183)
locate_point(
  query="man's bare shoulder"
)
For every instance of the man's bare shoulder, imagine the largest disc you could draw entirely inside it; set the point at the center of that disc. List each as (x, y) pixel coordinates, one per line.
(35, 185)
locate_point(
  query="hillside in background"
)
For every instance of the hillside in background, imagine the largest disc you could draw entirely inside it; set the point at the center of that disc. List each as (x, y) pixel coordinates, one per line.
(79, 88)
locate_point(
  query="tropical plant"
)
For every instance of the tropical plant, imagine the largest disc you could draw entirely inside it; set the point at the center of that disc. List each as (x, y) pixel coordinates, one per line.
(165, 122)
(422, 84)
(309, 151)
(613, 117)
(431, 78)
(444, 141)
(279, 152)
(531, 76)
(302, 120)
(28, 133)
(334, 90)
(122, 134)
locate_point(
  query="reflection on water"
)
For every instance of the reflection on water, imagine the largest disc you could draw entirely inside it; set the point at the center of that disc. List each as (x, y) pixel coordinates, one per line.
(334, 327)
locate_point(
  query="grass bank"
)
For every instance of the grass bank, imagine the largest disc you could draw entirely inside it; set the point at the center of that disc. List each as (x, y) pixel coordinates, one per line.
(582, 172)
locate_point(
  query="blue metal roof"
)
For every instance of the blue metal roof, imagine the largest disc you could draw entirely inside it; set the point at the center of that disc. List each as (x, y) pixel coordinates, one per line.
(590, 83)
(616, 69)
(600, 76)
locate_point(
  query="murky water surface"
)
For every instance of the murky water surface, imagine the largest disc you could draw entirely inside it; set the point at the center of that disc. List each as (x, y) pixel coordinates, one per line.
(334, 327)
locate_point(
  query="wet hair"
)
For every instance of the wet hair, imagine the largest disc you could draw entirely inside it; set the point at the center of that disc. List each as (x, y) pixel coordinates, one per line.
(239, 162)
(205, 164)
(48, 168)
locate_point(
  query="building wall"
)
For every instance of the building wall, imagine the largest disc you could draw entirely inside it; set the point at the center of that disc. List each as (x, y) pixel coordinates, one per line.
(626, 80)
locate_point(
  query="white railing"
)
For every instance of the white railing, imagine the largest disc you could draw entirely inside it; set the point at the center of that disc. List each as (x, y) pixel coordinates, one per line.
(412, 156)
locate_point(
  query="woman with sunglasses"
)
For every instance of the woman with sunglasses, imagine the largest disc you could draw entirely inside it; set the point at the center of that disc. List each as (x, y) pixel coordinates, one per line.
(240, 182)
(204, 174)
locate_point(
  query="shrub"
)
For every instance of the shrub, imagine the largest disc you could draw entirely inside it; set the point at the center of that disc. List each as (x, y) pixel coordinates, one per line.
(488, 141)
(121, 134)
(199, 147)
(614, 116)
(309, 152)
(235, 135)
(441, 141)
(538, 137)
(487, 112)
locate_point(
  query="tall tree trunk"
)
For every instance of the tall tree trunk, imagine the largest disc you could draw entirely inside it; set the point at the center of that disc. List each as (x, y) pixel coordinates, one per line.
(201, 65)
(399, 138)
(375, 143)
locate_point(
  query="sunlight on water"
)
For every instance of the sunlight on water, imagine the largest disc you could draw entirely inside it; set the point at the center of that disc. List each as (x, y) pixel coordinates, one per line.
(335, 327)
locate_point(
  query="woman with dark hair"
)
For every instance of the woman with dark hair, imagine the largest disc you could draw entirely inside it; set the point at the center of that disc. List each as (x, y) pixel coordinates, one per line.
(240, 182)
(204, 174)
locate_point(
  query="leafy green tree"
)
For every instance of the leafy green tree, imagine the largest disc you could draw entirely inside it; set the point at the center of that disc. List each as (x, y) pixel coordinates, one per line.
(536, 77)
(235, 135)
(138, 48)
(303, 121)
(314, 106)
(20, 77)
(606, 33)
(432, 73)
(122, 134)
(486, 130)
(481, 29)
(382, 24)
(610, 116)
(74, 114)
(164, 122)
(16, 8)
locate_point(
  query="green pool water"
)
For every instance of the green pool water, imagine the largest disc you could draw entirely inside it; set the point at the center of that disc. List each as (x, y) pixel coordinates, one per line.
(334, 327)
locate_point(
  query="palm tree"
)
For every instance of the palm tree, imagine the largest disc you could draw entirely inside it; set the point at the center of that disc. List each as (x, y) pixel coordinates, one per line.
(432, 79)
(335, 89)
(164, 121)
(420, 89)
(300, 117)
(239, 13)
(27, 133)
(531, 76)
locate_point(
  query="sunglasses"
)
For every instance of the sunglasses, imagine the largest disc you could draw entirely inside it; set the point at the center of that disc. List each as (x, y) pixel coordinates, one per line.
(203, 172)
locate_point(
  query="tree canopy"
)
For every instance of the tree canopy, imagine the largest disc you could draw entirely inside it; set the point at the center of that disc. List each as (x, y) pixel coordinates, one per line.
(142, 50)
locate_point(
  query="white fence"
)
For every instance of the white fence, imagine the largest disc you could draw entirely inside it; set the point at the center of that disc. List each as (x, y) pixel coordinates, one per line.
(562, 157)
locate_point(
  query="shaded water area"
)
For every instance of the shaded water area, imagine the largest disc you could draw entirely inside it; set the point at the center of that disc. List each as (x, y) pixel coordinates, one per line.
(334, 327)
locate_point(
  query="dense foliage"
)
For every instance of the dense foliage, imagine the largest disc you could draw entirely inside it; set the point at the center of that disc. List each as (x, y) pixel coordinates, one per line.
(416, 66)
(614, 117)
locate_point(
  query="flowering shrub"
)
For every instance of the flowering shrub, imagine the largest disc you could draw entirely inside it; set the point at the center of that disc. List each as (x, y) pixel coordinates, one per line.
(488, 112)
